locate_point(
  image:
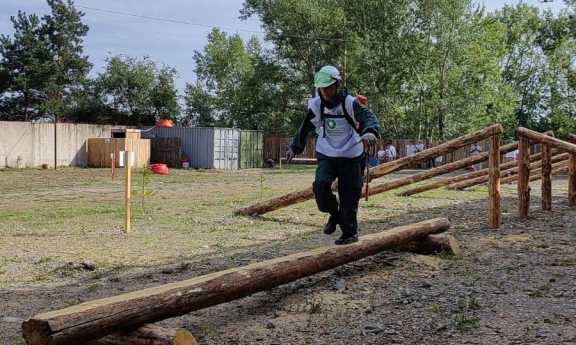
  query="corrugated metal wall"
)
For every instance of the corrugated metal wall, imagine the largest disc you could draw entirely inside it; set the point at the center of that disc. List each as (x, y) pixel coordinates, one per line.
(197, 143)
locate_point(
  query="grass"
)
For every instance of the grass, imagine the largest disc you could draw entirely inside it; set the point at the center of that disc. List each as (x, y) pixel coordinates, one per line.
(70, 215)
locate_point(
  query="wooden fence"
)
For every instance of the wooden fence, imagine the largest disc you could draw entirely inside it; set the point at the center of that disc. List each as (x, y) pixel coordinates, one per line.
(275, 146)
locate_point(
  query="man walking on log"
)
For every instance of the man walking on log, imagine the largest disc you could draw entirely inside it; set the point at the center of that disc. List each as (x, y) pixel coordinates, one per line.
(345, 131)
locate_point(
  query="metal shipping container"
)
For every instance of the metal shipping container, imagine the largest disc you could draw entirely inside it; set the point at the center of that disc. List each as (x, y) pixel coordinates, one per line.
(251, 149)
(207, 148)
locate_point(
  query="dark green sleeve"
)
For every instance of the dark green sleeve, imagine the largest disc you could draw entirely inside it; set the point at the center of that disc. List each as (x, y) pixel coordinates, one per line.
(368, 121)
(299, 142)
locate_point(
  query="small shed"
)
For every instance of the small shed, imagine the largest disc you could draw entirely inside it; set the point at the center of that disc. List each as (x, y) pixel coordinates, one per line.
(122, 139)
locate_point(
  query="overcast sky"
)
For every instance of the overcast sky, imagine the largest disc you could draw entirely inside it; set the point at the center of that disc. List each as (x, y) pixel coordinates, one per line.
(172, 43)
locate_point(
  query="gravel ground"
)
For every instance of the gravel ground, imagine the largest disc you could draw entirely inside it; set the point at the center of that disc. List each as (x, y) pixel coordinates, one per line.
(515, 285)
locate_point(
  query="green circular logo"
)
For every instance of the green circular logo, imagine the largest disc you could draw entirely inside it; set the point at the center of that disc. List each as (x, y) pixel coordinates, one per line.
(331, 123)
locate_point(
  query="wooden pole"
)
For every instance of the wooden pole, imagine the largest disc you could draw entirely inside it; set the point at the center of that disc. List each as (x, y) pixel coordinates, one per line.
(376, 172)
(536, 172)
(523, 176)
(572, 180)
(99, 318)
(509, 169)
(443, 169)
(494, 212)
(127, 191)
(546, 201)
(149, 334)
(545, 139)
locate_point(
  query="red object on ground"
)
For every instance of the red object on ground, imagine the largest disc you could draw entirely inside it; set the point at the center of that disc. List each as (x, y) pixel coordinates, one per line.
(166, 123)
(160, 169)
(362, 100)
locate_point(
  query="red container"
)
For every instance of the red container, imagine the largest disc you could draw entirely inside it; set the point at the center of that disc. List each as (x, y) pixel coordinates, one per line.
(160, 169)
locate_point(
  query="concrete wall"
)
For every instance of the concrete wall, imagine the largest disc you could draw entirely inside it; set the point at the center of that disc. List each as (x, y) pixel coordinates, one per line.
(27, 145)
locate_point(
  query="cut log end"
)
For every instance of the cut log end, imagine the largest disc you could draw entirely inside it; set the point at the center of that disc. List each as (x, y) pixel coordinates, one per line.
(36, 332)
(434, 244)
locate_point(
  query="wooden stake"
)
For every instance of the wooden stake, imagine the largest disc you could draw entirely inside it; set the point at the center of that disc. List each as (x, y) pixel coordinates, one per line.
(494, 213)
(546, 177)
(99, 318)
(572, 180)
(523, 176)
(127, 191)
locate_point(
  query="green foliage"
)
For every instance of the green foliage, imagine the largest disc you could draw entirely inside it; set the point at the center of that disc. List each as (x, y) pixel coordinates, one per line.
(43, 63)
(137, 91)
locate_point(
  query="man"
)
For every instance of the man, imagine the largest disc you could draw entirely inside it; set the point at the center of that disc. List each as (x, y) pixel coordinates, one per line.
(344, 130)
(387, 154)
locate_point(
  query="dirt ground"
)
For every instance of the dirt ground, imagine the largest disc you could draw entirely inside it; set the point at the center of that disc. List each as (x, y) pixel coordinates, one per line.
(62, 243)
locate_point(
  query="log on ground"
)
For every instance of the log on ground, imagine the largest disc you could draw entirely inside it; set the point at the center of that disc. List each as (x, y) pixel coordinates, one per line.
(99, 318)
(147, 335)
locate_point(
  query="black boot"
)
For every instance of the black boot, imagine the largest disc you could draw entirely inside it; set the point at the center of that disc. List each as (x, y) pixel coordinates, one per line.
(330, 226)
(346, 239)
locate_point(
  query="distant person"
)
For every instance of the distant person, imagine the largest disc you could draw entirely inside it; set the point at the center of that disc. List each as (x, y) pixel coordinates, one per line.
(387, 154)
(475, 149)
(345, 131)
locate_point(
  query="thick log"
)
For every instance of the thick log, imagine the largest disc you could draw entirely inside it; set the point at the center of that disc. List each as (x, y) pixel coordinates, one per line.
(546, 200)
(99, 318)
(434, 244)
(494, 214)
(509, 169)
(545, 139)
(376, 172)
(441, 170)
(148, 335)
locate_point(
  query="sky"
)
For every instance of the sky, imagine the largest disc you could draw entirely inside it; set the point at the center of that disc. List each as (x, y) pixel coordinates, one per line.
(173, 42)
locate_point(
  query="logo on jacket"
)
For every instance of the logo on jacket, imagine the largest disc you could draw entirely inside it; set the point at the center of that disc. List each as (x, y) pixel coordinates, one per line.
(331, 123)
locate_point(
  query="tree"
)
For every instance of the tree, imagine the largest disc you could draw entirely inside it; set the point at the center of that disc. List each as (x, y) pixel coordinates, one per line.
(44, 60)
(137, 90)
(237, 86)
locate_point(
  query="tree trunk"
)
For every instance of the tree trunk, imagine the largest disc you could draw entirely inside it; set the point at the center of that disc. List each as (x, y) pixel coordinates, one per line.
(376, 172)
(148, 335)
(99, 318)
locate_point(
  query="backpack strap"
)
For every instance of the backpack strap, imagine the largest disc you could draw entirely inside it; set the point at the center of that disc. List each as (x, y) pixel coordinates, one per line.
(348, 117)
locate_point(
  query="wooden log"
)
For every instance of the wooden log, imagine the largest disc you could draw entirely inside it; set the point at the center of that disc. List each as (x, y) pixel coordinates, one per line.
(443, 169)
(99, 318)
(509, 169)
(434, 244)
(523, 176)
(494, 213)
(536, 175)
(546, 200)
(147, 335)
(545, 139)
(572, 180)
(376, 172)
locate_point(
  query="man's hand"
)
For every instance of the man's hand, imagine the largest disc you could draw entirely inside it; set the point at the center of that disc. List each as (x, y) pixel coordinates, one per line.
(289, 155)
(370, 143)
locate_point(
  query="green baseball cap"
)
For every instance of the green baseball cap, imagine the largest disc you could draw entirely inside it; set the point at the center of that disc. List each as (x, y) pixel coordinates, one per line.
(326, 76)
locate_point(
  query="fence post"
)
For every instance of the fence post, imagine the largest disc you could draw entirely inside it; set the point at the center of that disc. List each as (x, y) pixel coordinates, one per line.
(494, 213)
(523, 176)
(572, 180)
(546, 177)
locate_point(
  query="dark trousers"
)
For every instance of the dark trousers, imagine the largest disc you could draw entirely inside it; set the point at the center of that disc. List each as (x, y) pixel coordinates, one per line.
(349, 176)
